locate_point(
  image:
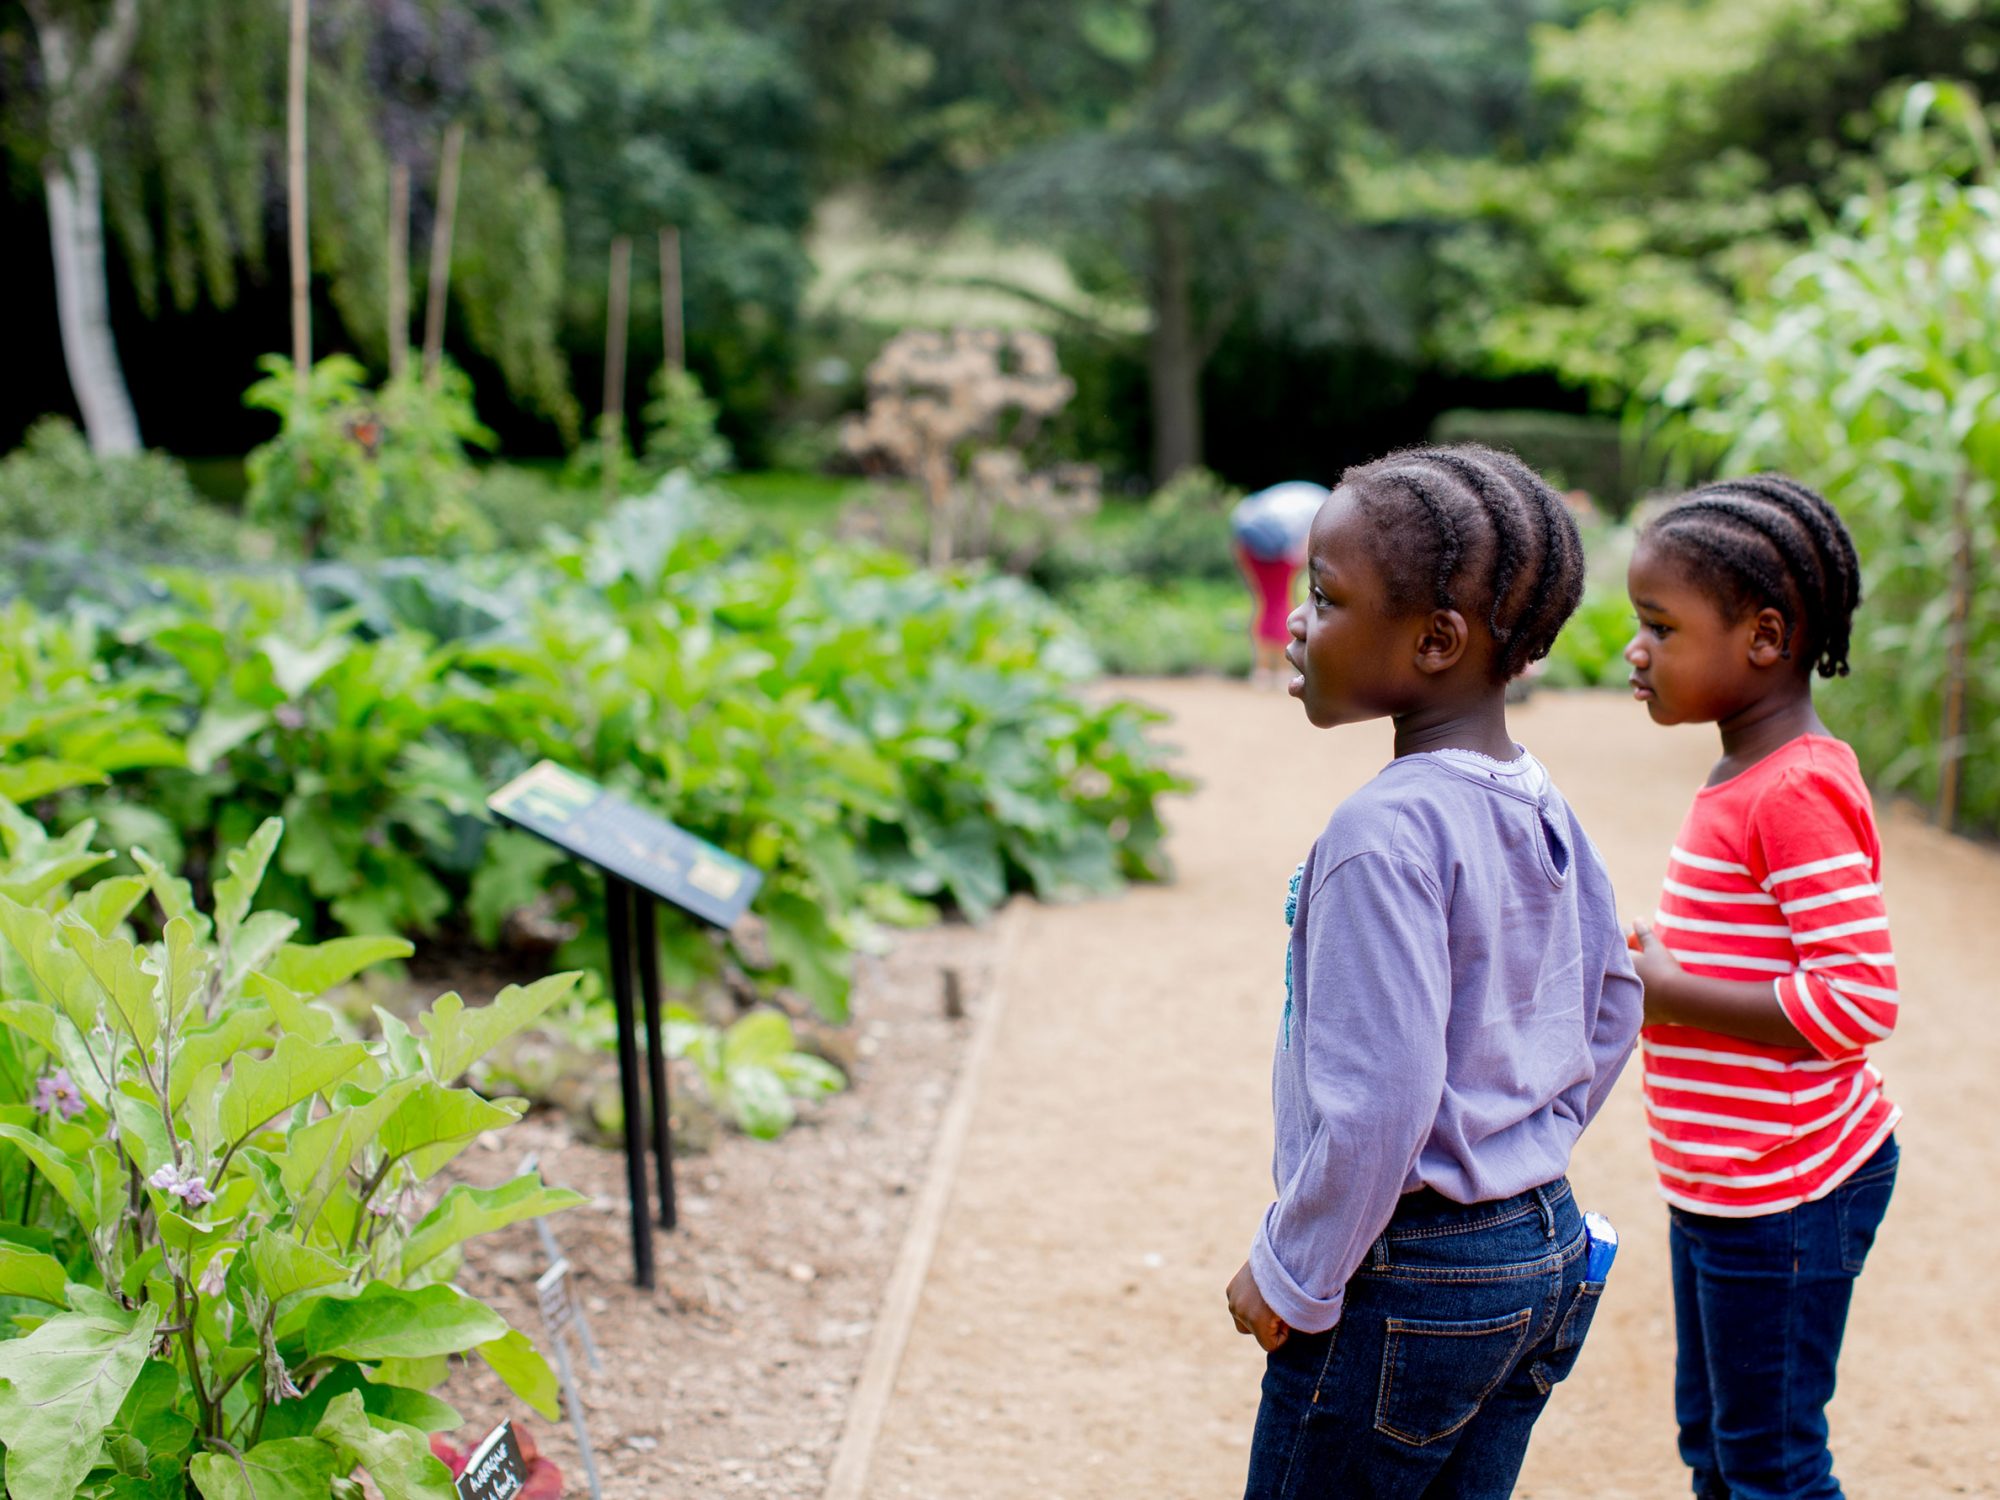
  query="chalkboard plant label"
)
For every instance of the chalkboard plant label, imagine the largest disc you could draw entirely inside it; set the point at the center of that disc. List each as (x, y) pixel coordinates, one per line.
(601, 828)
(496, 1469)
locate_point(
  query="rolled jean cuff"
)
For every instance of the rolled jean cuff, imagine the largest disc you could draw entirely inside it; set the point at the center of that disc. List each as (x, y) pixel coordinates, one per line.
(1290, 1301)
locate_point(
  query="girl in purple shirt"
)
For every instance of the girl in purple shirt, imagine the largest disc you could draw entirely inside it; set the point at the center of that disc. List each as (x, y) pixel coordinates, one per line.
(1459, 1002)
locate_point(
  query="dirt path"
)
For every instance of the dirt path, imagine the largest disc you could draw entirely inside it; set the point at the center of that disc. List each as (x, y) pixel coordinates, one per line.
(1071, 1341)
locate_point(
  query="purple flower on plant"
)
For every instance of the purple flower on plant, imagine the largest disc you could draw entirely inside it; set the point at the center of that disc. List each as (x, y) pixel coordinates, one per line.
(58, 1092)
(214, 1280)
(192, 1191)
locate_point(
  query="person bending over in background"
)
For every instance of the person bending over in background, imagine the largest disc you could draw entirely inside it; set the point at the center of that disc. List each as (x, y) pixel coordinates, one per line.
(1269, 529)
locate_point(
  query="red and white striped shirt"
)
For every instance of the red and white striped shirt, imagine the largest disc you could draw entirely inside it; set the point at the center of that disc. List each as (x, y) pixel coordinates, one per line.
(1776, 873)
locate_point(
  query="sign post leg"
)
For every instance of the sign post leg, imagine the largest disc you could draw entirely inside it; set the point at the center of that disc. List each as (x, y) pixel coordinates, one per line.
(619, 901)
(656, 1054)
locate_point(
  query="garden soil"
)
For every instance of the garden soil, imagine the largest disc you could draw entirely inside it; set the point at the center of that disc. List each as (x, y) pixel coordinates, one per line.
(1071, 1339)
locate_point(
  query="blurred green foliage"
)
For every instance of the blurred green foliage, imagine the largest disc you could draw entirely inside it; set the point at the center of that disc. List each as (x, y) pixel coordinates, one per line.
(1872, 371)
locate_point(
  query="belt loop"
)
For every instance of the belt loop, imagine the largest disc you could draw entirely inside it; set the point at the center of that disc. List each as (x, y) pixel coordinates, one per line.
(1548, 1213)
(1378, 1254)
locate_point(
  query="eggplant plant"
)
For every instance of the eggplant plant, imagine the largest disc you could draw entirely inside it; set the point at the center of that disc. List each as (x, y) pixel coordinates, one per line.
(224, 1267)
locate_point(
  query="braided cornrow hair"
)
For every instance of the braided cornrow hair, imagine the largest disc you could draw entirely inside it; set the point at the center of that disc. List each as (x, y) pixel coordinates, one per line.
(1474, 529)
(1765, 541)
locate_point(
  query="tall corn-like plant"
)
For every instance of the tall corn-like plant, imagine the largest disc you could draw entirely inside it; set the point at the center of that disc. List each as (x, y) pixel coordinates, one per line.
(219, 1273)
(1873, 372)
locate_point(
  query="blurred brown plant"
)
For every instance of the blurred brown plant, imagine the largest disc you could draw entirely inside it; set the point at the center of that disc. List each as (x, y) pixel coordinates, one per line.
(956, 412)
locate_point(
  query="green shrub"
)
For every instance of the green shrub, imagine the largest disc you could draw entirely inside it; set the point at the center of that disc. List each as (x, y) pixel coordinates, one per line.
(1162, 629)
(873, 737)
(1180, 533)
(680, 426)
(359, 471)
(224, 1261)
(1870, 371)
(54, 489)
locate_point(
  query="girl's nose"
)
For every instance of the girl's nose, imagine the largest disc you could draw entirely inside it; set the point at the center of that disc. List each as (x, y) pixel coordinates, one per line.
(1296, 623)
(1635, 653)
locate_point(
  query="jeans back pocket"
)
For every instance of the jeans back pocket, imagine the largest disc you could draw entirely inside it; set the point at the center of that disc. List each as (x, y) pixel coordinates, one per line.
(1560, 1359)
(1437, 1374)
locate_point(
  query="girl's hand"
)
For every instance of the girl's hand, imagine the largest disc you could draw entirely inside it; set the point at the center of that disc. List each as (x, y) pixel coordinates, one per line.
(1657, 969)
(1252, 1313)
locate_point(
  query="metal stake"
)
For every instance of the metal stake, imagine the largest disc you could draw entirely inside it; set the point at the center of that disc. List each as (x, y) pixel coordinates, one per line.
(656, 1052)
(618, 896)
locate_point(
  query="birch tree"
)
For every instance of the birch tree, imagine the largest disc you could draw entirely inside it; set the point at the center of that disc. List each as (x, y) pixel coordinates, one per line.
(84, 50)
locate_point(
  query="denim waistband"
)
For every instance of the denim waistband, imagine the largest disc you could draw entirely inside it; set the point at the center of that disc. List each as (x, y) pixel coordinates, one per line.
(1428, 1214)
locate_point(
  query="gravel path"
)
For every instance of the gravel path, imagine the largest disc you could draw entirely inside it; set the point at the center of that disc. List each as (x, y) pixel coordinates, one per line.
(1072, 1341)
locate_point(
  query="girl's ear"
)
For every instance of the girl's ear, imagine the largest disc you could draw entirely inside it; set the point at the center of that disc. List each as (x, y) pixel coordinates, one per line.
(1770, 639)
(1442, 642)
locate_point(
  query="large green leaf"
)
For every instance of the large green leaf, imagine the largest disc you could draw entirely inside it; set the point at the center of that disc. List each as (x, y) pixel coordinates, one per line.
(63, 1172)
(244, 1027)
(220, 731)
(313, 969)
(184, 967)
(175, 895)
(254, 945)
(296, 1468)
(455, 1037)
(397, 1458)
(31, 933)
(114, 964)
(386, 1322)
(466, 1211)
(394, 1403)
(246, 866)
(434, 1121)
(109, 902)
(34, 777)
(29, 1273)
(317, 1155)
(285, 1267)
(60, 1387)
(814, 957)
(259, 1089)
(527, 1374)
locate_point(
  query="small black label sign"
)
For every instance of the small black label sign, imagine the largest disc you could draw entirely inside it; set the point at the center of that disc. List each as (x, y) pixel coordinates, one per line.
(496, 1469)
(575, 813)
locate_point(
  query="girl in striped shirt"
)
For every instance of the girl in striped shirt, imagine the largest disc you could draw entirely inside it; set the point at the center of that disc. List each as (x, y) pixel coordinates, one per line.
(1769, 974)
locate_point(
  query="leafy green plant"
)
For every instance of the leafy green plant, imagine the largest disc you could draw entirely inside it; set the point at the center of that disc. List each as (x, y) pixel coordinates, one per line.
(54, 489)
(1873, 372)
(224, 1276)
(371, 471)
(878, 740)
(680, 426)
(754, 1070)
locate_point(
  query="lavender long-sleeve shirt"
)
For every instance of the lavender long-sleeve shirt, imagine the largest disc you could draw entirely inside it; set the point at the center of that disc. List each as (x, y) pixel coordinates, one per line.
(1461, 1003)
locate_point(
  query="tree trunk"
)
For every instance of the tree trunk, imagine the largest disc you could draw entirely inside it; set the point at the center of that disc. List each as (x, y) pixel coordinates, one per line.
(83, 300)
(78, 75)
(672, 337)
(1173, 360)
(612, 423)
(441, 233)
(295, 184)
(399, 269)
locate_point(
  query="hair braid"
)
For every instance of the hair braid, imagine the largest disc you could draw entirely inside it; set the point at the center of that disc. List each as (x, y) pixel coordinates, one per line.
(1468, 521)
(1767, 541)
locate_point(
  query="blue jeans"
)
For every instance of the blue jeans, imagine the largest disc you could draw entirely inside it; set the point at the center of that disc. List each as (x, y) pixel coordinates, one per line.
(1453, 1333)
(1759, 1309)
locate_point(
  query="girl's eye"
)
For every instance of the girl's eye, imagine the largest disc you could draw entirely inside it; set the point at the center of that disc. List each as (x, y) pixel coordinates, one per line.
(1320, 599)
(1658, 632)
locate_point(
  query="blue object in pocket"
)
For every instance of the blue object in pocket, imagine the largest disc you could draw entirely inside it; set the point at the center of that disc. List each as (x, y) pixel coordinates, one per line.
(1601, 1247)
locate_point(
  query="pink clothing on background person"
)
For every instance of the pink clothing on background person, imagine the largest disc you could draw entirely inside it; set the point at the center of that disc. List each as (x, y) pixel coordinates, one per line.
(1271, 579)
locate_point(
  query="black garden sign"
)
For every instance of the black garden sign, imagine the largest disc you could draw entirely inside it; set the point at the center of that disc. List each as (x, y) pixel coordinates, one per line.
(644, 857)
